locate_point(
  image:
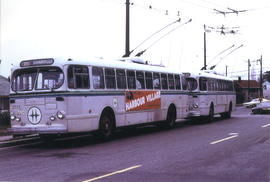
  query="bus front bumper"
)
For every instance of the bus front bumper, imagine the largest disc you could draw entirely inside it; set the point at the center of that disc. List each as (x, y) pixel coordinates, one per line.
(193, 114)
(37, 130)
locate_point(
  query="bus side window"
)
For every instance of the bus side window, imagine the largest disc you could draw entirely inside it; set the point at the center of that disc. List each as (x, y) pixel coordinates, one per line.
(98, 78)
(78, 77)
(184, 83)
(110, 78)
(131, 80)
(171, 82)
(149, 80)
(156, 81)
(121, 79)
(140, 80)
(203, 84)
(177, 82)
(164, 81)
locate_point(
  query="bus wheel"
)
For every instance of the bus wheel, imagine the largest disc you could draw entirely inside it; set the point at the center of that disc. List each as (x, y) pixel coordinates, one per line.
(211, 114)
(105, 126)
(171, 117)
(229, 113)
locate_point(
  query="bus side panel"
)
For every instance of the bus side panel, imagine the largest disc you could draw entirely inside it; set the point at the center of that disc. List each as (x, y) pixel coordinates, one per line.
(182, 105)
(81, 115)
(204, 104)
(136, 117)
(222, 102)
(85, 111)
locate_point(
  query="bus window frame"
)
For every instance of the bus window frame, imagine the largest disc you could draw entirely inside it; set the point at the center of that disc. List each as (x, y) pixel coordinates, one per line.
(74, 86)
(103, 77)
(112, 69)
(125, 73)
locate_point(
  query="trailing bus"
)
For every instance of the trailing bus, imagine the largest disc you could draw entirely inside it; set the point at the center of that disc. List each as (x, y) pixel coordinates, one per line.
(55, 96)
(210, 94)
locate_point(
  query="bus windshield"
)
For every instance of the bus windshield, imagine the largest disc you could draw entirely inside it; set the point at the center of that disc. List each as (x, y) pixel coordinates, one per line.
(45, 78)
(192, 84)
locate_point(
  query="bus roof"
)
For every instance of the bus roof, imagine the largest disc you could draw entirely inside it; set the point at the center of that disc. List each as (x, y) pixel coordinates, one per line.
(122, 63)
(207, 74)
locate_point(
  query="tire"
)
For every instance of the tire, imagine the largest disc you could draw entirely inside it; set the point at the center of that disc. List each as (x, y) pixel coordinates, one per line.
(106, 126)
(229, 113)
(171, 117)
(211, 113)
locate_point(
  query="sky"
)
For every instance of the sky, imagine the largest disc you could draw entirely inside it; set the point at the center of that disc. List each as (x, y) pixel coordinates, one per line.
(96, 28)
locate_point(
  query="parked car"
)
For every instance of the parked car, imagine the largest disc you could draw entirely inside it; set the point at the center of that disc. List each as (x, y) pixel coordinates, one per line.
(254, 102)
(262, 108)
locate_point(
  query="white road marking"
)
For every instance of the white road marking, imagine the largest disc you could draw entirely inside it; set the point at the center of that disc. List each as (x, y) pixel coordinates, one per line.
(265, 125)
(234, 135)
(113, 173)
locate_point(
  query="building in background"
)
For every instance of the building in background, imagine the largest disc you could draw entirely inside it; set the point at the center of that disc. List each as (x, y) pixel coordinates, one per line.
(266, 90)
(4, 94)
(246, 91)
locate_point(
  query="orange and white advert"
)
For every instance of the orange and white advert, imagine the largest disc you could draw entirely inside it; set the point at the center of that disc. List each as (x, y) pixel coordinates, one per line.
(142, 100)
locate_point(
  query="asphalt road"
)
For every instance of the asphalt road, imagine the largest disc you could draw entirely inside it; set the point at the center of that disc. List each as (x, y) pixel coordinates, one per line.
(236, 149)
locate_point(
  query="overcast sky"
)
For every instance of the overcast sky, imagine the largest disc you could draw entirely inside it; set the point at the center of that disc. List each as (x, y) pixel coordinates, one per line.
(89, 28)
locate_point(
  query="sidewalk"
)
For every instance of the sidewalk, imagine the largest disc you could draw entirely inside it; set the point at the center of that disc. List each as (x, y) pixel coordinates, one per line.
(4, 136)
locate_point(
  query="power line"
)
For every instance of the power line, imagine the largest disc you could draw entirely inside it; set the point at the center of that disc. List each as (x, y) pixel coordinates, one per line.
(162, 11)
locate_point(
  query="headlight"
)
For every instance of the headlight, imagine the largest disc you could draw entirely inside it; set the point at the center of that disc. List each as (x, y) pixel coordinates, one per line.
(195, 106)
(60, 115)
(52, 118)
(12, 117)
(18, 119)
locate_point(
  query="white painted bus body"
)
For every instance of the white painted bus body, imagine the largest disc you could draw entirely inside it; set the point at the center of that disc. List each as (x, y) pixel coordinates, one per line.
(200, 100)
(36, 111)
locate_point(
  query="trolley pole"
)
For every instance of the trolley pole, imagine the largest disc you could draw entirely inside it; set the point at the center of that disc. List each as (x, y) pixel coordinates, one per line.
(127, 52)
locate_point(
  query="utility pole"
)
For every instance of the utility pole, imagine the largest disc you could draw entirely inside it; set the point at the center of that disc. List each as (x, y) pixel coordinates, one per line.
(127, 51)
(204, 47)
(226, 70)
(248, 77)
(261, 81)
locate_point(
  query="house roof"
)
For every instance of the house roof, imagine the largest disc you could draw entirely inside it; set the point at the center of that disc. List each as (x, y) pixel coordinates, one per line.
(244, 84)
(4, 86)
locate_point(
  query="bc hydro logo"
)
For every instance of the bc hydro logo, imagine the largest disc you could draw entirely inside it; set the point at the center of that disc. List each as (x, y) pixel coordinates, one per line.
(34, 115)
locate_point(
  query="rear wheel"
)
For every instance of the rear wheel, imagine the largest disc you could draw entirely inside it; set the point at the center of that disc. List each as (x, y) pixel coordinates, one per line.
(171, 117)
(229, 113)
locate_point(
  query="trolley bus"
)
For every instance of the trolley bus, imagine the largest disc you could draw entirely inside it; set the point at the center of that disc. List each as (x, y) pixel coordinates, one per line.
(210, 94)
(60, 96)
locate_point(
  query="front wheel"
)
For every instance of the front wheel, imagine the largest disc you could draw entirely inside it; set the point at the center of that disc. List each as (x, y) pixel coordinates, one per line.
(211, 114)
(106, 127)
